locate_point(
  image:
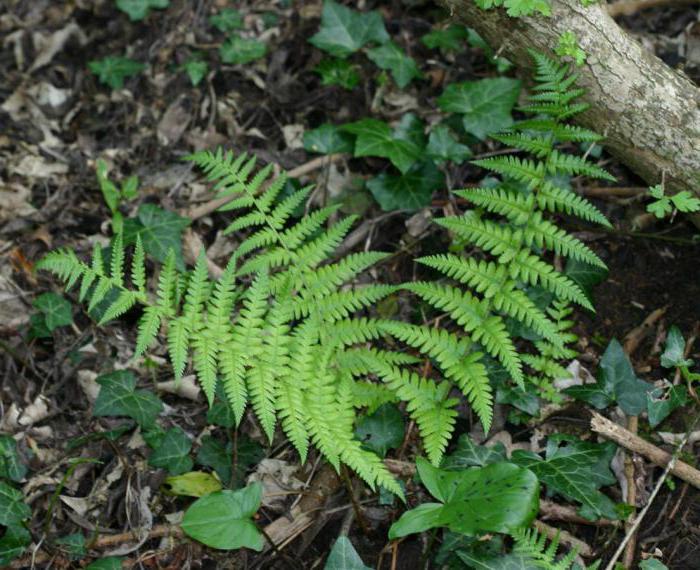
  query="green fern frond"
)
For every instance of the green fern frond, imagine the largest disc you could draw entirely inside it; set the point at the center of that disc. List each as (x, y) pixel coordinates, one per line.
(529, 172)
(555, 199)
(498, 240)
(529, 543)
(456, 358)
(544, 234)
(474, 316)
(515, 206)
(428, 404)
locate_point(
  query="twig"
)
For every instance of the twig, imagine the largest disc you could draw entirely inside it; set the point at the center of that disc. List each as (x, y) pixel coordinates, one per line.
(617, 192)
(669, 469)
(628, 558)
(623, 437)
(564, 537)
(209, 207)
(629, 7)
(635, 337)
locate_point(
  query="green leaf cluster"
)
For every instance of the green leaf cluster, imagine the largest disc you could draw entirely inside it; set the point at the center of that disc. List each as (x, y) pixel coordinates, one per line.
(139, 9)
(518, 8)
(113, 70)
(53, 311)
(664, 205)
(344, 31)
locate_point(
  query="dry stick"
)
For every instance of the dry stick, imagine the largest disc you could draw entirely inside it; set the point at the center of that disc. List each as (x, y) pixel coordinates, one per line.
(629, 7)
(623, 437)
(632, 426)
(565, 538)
(669, 469)
(613, 191)
(314, 164)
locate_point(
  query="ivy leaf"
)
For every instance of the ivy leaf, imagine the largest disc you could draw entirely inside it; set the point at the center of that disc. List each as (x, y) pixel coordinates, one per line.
(381, 431)
(216, 455)
(139, 9)
(73, 545)
(375, 138)
(468, 454)
(55, 309)
(616, 372)
(10, 465)
(13, 543)
(391, 57)
(118, 397)
(594, 394)
(221, 414)
(576, 470)
(497, 498)
(410, 128)
(173, 452)
(485, 105)
(13, 509)
(343, 556)
(227, 20)
(449, 39)
(585, 275)
(652, 564)
(410, 191)
(193, 484)
(344, 31)
(338, 72)
(327, 139)
(443, 146)
(659, 406)
(196, 70)
(223, 519)
(238, 50)
(113, 70)
(674, 351)
(521, 398)
(160, 231)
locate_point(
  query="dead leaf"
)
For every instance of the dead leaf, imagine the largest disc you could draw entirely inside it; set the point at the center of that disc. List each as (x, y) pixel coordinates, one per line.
(34, 166)
(173, 123)
(293, 136)
(48, 47)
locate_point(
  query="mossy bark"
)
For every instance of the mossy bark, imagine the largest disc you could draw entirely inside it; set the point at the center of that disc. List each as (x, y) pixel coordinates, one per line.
(648, 112)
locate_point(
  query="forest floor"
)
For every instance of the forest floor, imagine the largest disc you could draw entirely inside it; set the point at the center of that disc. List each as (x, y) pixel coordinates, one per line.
(57, 120)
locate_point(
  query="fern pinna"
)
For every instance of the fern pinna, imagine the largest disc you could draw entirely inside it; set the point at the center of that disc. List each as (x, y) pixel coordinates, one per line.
(512, 228)
(278, 329)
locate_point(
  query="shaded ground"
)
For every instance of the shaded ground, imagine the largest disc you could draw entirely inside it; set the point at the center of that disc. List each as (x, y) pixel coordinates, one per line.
(56, 120)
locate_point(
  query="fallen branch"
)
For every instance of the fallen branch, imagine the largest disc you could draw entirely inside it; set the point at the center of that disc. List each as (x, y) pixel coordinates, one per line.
(565, 538)
(648, 112)
(629, 7)
(671, 465)
(621, 436)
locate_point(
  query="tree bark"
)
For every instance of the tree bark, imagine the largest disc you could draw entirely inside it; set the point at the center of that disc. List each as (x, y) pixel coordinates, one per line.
(649, 113)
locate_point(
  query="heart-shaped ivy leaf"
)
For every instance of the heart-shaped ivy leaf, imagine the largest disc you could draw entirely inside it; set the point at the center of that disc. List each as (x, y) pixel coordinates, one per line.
(223, 519)
(497, 498)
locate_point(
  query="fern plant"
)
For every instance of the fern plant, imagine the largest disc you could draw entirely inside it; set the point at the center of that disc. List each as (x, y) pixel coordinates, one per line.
(533, 546)
(513, 228)
(279, 328)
